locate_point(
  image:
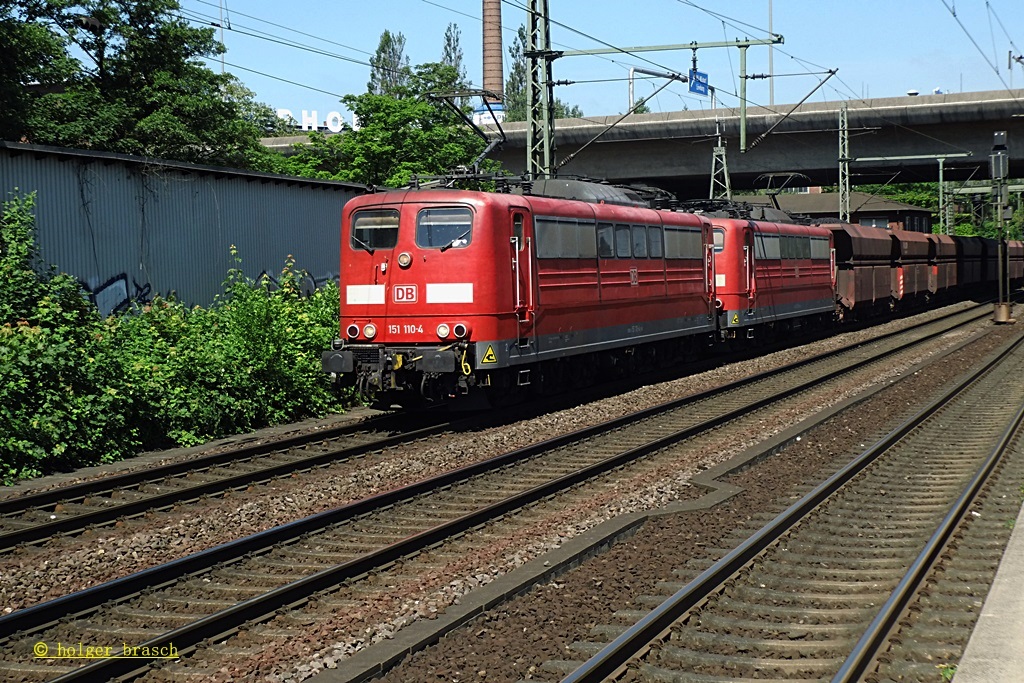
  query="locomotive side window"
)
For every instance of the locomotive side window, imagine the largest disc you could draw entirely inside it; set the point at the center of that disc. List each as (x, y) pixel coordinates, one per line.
(588, 244)
(605, 239)
(517, 230)
(788, 247)
(819, 248)
(568, 238)
(639, 241)
(376, 229)
(683, 243)
(447, 228)
(623, 241)
(796, 247)
(758, 246)
(766, 246)
(556, 238)
(654, 240)
(565, 238)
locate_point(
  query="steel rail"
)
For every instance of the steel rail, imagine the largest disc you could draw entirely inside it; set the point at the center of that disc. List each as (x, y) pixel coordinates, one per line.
(216, 625)
(46, 613)
(613, 657)
(71, 524)
(39, 532)
(187, 637)
(63, 494)
(869, 644)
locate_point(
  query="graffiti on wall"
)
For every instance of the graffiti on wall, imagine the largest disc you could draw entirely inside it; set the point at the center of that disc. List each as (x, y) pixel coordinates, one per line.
(307, 282)
(118, 294)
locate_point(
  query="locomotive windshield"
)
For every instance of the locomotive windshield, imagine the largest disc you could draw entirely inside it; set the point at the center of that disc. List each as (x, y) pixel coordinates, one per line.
(377, 229)
(448, 228)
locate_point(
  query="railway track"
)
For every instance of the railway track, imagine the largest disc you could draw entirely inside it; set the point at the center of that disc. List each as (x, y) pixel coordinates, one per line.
(832, 588)
(69, 510)
(216, 592)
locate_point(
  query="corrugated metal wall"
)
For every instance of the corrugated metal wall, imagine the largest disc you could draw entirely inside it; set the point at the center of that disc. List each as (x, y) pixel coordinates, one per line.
(130, 229)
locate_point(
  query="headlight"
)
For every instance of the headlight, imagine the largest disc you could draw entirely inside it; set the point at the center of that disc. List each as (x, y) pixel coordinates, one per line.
(405, 259)
(370, 331)
(443, 331)
(353, 331)
(461, 330)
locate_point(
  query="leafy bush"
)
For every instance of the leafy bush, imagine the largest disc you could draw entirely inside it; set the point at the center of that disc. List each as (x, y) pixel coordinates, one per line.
(78, 390)
(250, 360)
(59, 399)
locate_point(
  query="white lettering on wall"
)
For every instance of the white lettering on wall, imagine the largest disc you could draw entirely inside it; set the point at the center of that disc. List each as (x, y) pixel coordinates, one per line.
(334, 122)
(308, 120)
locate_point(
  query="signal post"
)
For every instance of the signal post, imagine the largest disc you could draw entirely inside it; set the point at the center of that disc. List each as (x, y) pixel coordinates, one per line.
(998, 164)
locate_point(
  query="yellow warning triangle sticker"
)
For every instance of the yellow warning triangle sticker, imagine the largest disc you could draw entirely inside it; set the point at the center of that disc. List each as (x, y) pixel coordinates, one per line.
(735, 318)
(489, 356)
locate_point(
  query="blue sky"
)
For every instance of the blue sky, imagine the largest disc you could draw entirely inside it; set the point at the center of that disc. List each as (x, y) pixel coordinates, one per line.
(881, 48)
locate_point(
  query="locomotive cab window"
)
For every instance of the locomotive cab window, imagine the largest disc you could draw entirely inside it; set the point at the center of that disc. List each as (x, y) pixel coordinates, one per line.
(517, 231)
(447, 228)
(719, 236)
(376, 229)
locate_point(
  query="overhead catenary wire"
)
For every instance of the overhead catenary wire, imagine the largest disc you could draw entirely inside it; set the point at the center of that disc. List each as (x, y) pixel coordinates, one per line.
(288, 28)
(974, 42)
(521, 5)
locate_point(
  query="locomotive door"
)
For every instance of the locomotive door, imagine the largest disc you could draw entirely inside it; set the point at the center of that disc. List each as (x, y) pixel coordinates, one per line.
(750, 267)
(523, 294)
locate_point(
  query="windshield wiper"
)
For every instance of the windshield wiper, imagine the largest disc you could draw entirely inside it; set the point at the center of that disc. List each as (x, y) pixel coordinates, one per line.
(457, 239)
(364, 245)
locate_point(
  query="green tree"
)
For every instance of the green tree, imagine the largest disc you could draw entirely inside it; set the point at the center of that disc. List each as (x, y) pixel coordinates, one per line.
(389, 67)
(397, 136)
(140, 86)
(516, 84)
(33, 58)
(451, 53)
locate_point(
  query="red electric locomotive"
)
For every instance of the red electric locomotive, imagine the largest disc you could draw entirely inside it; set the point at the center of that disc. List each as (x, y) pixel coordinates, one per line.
(445, 290)
(776, 275)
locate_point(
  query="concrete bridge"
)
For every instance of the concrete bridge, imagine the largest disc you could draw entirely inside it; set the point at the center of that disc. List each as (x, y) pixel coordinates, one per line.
(673, 150)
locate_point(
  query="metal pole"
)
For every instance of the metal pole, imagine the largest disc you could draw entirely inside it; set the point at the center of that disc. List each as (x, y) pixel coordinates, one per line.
(221, 5)
(1002, 251)
(999, 169)
(943, 221)
(844, 164)
(540, 120)
(743, 98)
(771, 53)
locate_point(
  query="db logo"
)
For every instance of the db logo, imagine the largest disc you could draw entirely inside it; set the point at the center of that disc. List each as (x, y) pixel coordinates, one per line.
(404, 294)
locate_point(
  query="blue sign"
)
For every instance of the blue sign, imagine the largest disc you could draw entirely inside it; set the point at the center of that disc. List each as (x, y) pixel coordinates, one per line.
(698, 82)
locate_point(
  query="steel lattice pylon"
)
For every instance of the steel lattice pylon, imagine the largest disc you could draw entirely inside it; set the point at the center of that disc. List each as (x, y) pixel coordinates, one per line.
(540, 115)
(721, 187)
(844, 164)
